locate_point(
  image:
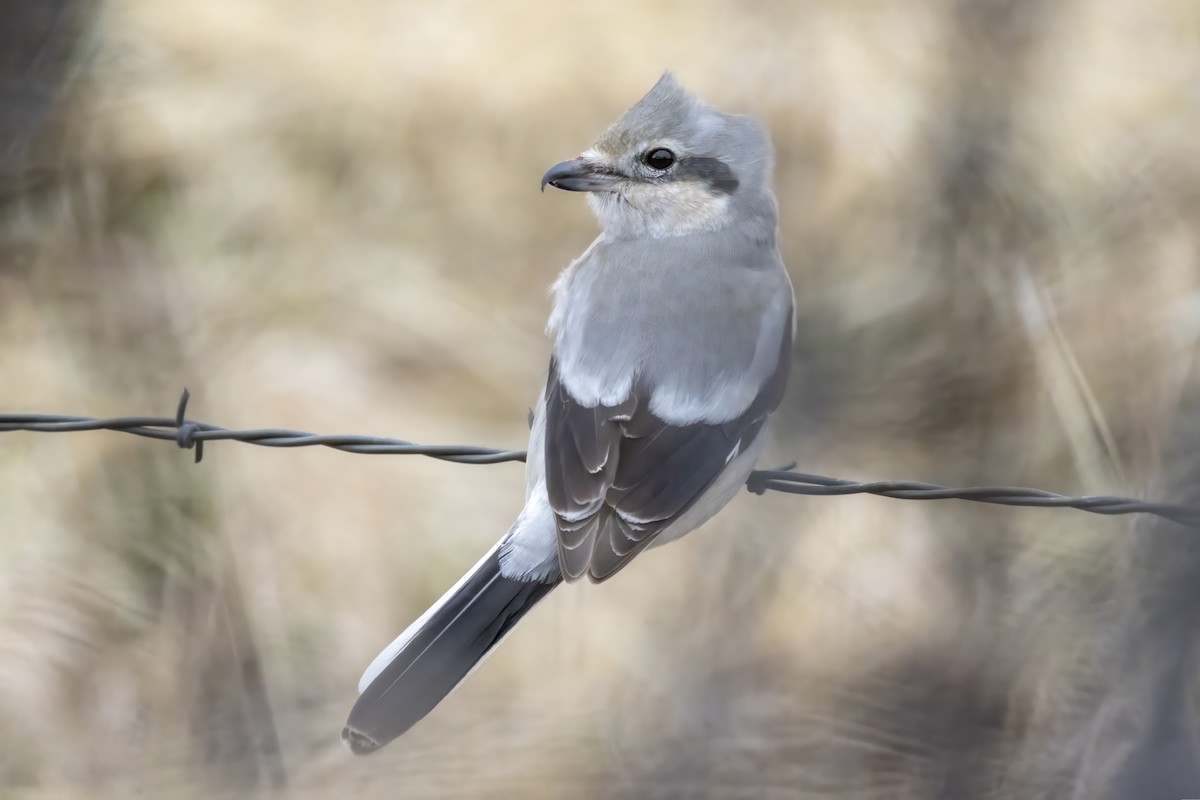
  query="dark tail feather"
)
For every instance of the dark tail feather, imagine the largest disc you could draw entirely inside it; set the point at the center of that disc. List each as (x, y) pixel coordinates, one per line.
(464, 625)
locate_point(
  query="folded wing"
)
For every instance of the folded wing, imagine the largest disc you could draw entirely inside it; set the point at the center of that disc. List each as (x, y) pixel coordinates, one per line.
(617, 476)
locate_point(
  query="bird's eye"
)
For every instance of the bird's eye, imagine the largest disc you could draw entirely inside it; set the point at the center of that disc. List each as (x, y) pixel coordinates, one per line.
(660, 158)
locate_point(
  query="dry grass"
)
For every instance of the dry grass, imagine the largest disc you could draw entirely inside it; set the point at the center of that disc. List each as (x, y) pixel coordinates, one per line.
(325, 216)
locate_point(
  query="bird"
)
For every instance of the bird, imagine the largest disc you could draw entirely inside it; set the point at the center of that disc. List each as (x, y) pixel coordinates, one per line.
(672, 347)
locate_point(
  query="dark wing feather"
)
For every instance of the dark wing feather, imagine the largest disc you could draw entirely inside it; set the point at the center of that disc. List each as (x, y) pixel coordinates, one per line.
(618, 475)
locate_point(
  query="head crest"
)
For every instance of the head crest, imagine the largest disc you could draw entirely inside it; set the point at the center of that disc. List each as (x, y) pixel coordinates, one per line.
(666, 99)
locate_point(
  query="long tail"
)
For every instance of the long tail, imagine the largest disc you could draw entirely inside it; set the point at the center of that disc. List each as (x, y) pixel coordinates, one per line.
(436, 652)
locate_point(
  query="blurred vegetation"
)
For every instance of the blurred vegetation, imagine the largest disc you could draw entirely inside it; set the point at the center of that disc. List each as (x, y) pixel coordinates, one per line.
(325, 216)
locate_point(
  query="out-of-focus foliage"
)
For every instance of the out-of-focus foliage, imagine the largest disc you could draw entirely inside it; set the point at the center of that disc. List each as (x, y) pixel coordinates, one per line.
(325, 216)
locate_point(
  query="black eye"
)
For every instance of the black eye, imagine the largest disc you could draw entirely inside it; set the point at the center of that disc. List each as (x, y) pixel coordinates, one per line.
(660, 159)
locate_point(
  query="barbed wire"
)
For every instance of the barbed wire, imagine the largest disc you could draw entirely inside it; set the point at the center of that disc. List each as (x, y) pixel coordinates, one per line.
(192, 435)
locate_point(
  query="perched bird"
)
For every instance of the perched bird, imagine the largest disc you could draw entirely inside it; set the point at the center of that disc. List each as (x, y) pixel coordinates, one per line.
(672, 342)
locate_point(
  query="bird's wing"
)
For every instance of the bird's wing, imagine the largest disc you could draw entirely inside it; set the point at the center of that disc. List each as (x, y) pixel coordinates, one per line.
(618, 475)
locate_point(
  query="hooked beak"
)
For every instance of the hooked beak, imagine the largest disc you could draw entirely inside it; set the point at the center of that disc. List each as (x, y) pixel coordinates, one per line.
(580, 175)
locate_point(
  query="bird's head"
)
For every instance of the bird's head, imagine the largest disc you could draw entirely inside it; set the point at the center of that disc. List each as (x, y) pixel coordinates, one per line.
(670, 166)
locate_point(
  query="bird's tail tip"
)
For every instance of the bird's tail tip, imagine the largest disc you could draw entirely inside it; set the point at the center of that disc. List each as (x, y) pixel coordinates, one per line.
(428, 660)
(359, 743)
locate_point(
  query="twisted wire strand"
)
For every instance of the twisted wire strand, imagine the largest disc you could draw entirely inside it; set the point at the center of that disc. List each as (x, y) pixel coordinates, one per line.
(197, 433)
(192, 435)
(821, 486)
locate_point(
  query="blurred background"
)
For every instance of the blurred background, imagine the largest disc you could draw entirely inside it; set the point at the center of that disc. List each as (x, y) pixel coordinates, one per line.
(325, 216)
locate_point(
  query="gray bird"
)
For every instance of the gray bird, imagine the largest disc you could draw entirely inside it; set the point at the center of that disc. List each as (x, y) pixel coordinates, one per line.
(672, 342)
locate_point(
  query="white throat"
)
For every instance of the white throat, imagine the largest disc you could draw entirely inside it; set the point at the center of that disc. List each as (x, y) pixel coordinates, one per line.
(660, 210)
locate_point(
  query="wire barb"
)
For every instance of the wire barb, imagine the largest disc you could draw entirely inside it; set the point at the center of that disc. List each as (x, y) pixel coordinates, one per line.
(190, 435)
(185, 432)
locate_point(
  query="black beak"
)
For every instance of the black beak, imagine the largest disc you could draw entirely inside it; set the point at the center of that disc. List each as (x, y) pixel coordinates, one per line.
(579, 176)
